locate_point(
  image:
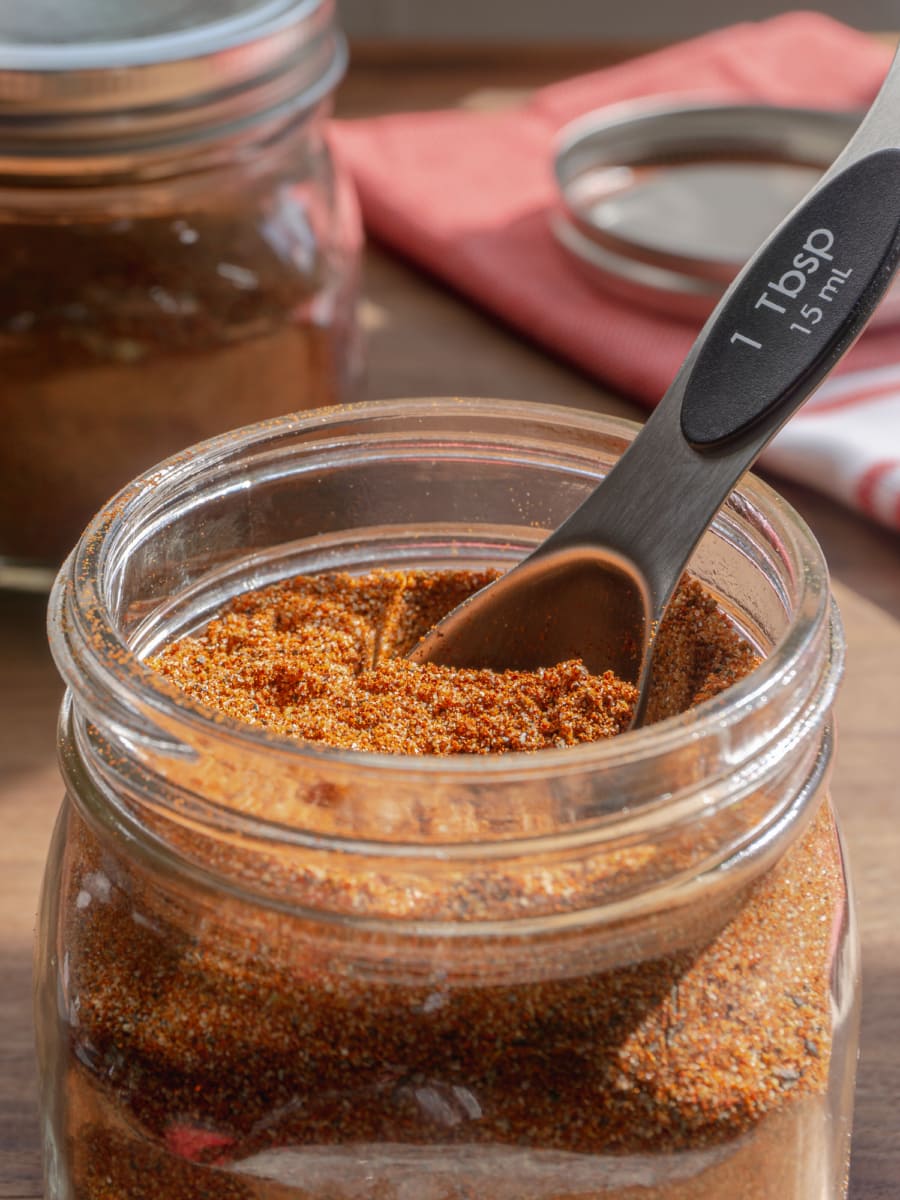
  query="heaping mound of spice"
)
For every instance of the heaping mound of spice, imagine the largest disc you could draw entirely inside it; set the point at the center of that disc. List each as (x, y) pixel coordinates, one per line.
(321, 658)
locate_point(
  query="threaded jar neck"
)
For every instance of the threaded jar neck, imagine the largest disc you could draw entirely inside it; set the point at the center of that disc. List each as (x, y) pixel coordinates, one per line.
(125, 86)
(645, 837)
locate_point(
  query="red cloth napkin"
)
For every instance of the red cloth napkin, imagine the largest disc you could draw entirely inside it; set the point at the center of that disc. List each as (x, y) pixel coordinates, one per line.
(466, 195)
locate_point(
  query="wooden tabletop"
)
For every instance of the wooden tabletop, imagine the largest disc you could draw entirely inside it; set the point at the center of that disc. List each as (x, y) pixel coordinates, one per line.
(422, 341)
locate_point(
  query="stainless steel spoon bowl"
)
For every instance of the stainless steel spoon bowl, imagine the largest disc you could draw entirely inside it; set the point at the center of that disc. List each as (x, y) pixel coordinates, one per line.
(597, 587)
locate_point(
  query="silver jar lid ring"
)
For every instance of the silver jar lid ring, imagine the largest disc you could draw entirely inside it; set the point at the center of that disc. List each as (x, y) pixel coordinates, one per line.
(662, 201)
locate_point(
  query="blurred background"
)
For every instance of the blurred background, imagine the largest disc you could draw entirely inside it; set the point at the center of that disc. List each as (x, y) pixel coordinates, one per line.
(565, 20)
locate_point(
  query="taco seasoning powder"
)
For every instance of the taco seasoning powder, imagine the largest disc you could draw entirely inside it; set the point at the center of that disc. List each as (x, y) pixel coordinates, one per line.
(254, 1064)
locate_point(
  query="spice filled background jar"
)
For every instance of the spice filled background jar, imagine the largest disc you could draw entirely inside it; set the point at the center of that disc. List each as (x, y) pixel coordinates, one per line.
(269, 969)
(178, 251)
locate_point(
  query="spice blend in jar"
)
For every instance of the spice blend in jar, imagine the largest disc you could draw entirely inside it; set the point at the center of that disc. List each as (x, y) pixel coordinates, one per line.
(694, 1074)
(224, 1061)
(332, 928)
(322, 659)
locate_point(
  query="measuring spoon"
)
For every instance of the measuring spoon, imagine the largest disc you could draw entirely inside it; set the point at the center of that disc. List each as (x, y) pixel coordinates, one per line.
(597, 588)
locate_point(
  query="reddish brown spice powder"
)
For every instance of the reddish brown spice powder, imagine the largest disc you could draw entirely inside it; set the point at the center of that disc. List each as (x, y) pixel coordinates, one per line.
(126, 339)
(207, 1045)
(321, 658)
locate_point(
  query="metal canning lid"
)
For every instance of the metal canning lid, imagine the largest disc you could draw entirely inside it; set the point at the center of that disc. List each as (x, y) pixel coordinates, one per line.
(663, 203)
(86, 77)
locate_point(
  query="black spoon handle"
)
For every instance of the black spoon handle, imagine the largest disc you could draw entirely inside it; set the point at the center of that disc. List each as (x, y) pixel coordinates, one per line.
(794, 310)
(801, 303)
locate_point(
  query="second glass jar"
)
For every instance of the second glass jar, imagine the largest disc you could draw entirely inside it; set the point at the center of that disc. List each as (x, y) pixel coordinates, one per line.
(179, 252)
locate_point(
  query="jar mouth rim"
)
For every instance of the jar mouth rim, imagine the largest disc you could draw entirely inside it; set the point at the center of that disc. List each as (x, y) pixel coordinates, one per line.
(79, 598)
(175, 45)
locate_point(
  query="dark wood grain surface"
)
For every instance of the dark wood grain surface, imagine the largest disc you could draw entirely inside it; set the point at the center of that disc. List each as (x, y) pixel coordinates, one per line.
(423, 341)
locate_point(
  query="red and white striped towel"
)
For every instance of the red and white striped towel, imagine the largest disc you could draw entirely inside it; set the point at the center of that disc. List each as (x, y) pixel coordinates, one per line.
(846, 441)
(466, 195)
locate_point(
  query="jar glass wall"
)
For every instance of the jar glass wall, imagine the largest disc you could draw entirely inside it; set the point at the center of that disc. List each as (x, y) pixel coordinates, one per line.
(178, 256)
(270, 969)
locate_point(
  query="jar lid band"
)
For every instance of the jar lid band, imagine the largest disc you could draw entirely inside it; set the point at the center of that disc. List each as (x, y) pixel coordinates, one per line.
(189, 70)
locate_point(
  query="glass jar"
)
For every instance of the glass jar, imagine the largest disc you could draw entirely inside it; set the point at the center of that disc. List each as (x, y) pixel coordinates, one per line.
(272, 970)
(178, 252)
